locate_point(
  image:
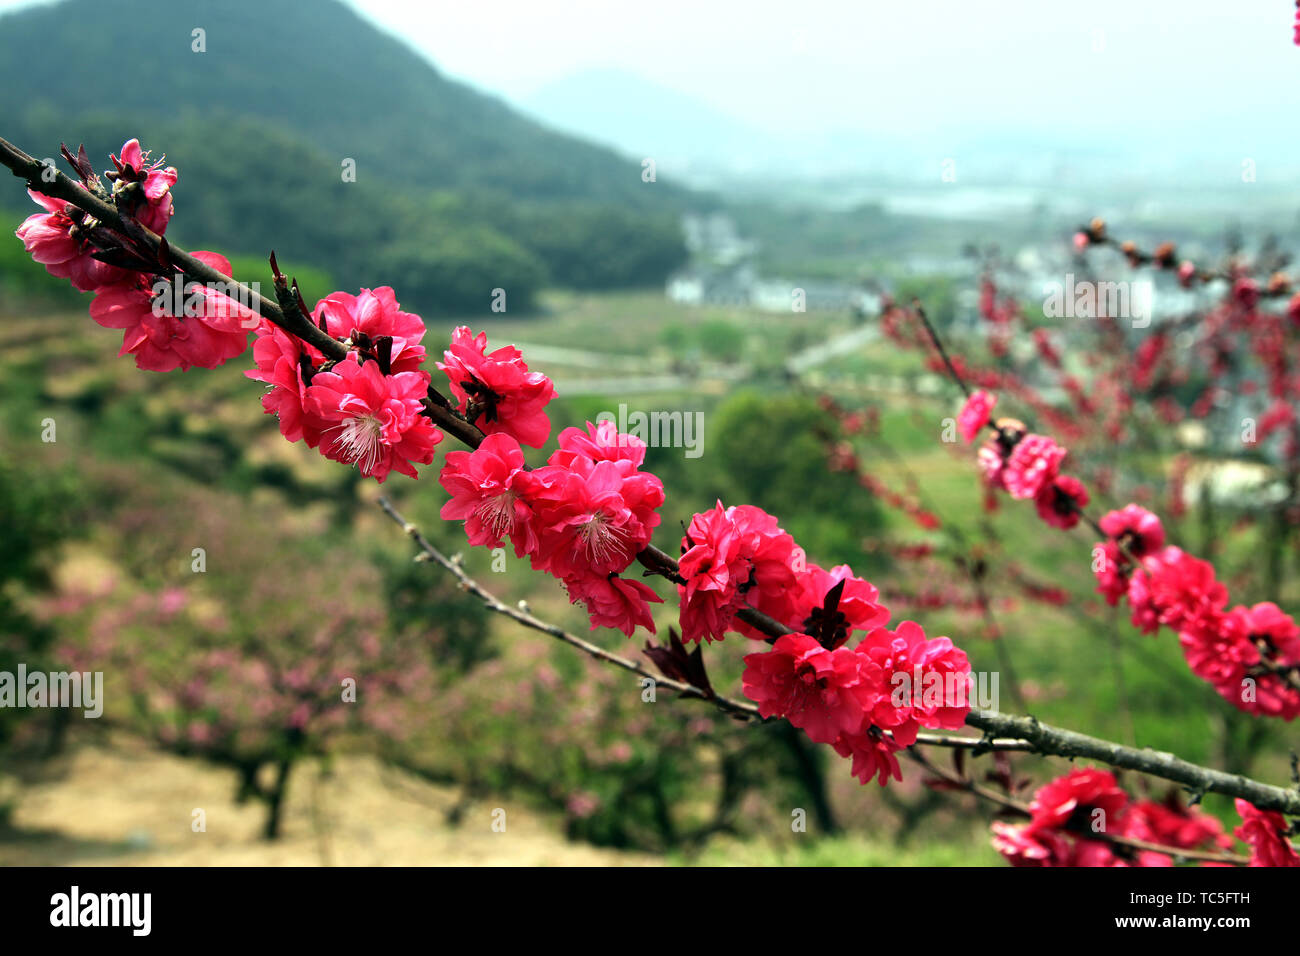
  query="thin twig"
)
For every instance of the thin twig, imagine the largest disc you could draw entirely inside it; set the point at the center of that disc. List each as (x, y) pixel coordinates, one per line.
(938, 344)
(528, 619)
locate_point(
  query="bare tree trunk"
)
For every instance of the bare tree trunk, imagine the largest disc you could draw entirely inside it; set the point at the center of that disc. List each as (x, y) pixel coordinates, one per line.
(275, 799)
(811, 776)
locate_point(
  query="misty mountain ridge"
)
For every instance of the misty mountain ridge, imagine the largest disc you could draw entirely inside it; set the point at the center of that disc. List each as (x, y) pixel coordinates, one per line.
(712, 147)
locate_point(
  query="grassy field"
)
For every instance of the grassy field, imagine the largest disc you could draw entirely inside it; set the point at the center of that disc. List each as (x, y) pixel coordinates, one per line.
(119, 802)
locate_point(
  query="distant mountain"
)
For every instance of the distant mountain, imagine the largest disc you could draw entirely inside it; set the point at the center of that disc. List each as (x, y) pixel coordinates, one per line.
(450, 183)
(641, 118)
(708, 146)
(316, 69)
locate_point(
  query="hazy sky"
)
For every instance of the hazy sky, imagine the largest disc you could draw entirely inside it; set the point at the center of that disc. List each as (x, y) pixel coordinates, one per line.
(1123, 69)
(895, 65)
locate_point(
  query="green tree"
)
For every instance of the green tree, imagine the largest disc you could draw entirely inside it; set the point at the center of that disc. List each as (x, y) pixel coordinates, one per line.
(770, 452)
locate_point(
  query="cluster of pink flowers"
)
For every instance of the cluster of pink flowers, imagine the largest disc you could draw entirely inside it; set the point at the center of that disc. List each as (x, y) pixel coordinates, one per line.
(861, 700)
(496, 391)
(583, 517)
(210, 329)
(868, 701)
(1129, 531)
(1071, 818)
(1251, 656)
(366, 410)
(161, 330)
(1246, 653)
(739, 557)
(149, 184)
(1023, 464)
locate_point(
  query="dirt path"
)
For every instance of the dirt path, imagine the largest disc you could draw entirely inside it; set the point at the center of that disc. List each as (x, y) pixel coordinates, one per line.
(129, 805)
